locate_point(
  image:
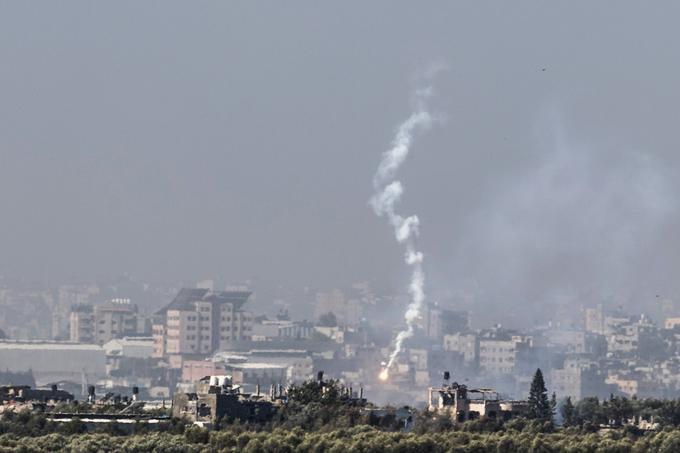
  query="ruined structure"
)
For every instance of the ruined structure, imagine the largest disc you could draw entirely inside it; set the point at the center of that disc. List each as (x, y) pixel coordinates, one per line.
(24, 393)
(463, 404)
(216, 398)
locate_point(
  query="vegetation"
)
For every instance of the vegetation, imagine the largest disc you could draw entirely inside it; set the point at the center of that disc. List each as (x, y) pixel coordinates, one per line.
(360, 438)
(325, 417)
(539, 405)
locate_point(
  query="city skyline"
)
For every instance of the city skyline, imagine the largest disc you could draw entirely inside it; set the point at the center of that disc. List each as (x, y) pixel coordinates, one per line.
(176, 157)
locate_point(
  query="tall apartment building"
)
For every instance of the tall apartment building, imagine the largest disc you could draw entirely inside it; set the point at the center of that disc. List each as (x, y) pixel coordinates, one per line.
(81, 323)
(102, 323)
(594, 320)
(579, 377)
(200, 321)
(499, 350)
(67, 297)
(442, 321)
(465, 344)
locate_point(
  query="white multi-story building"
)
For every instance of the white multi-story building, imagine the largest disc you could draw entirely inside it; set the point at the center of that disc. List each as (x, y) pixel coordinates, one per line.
(497, 356)
(465, 344)
(499, 350)
(102, 323)
(199, 321)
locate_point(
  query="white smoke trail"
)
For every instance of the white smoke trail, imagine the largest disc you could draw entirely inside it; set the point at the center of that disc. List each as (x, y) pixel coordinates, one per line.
(387, 194)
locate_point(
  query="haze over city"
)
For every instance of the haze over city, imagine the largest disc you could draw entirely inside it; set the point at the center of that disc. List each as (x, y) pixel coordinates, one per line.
(426, 216)
(182, 142)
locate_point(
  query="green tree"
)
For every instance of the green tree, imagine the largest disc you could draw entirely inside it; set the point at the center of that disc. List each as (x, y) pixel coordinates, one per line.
(619, 409)
(539, 405)
(589, 413)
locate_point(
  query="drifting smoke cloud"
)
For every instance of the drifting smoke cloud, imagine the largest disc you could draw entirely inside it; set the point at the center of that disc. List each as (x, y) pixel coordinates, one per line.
(388, 192)
(581, 224)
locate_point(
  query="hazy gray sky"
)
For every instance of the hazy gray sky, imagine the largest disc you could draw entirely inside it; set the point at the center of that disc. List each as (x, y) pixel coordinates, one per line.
(179, 140)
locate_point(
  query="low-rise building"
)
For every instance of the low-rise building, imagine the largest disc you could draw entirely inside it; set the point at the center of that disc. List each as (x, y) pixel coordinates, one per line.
(10, 395)
(216, 398)
(462, 404)
(52, 361)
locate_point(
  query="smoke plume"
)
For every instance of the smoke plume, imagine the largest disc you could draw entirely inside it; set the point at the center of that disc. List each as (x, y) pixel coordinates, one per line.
(388, 192)
(580, 224)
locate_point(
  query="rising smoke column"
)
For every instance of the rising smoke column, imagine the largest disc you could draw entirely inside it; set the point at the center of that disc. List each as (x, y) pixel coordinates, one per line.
(387, 194)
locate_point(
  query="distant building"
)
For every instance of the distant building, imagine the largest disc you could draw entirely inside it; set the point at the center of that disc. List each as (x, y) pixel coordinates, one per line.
(200, 322)
(623, 333)
(671, 323)
(499, 350)
(255, 373)
(159, 336)
(462, 404)
(347, 311)
(52, 361)
(634, 384)
(216, 397)
(128, 359)
(195, 370)
(101, 323)
(594, 320)
(264, 366)
(296, 330)
(268, 329)
(23, 393)
(132, 347)
(441, 321)
(67, 297)
(465, 344)
(579, 377)
(82, 324)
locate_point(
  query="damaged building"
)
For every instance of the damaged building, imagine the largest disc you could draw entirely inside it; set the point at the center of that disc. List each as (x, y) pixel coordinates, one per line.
(216, 398)
(462, 403)
(23, 397)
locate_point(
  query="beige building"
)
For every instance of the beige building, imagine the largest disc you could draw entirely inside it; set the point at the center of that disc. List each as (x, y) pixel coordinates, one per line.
(497, 356)
(102, 323)
(347, 311)
(462, 404)
(158, 334)
(199, 321)
(499, 350)
(81, 324)
(594, 320)
(465, 344)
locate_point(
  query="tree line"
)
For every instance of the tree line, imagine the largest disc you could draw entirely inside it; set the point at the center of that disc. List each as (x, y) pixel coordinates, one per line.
(326, 418)
(360, 438)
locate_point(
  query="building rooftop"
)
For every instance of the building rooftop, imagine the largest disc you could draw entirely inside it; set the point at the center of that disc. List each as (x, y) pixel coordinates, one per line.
(47, 345)
(255, 365)
(187, 296)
